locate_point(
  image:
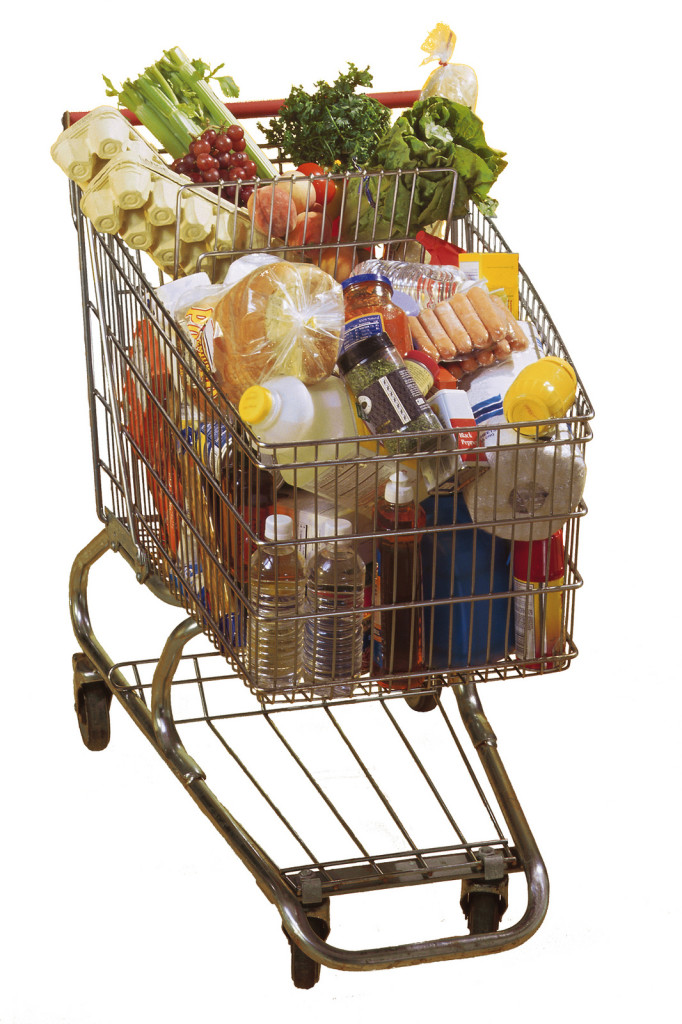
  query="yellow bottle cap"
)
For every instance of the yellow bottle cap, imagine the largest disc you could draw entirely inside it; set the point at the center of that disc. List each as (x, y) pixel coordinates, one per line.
(542, 391)
(255, 404)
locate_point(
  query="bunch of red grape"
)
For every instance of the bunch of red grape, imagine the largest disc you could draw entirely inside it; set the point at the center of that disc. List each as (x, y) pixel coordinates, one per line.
(219, 155)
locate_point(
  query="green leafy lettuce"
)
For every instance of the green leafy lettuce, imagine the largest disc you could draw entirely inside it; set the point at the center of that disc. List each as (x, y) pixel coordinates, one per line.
(433, 134)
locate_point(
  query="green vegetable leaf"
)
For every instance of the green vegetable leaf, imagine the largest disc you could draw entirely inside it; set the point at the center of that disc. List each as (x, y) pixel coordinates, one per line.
(332, 124)
(227, 85)
(111, 88)
(434, 133)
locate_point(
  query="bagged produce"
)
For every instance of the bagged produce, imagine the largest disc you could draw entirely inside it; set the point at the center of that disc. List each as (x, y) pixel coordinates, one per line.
(282, 319)
(456, 82)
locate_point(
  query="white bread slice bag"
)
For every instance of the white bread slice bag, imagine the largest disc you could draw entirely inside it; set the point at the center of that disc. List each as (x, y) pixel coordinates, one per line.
(282, 319)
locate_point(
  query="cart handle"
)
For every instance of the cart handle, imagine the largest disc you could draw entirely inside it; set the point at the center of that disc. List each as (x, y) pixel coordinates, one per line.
(270, 108)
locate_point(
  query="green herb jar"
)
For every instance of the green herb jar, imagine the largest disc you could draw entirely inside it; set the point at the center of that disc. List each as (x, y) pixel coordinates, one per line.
(388, 400)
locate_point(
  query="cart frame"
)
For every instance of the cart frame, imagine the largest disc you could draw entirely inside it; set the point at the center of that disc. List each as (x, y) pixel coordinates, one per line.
(302, 896)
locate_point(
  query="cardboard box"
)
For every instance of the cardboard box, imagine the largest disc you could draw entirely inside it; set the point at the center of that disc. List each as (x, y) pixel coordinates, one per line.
(501, 272)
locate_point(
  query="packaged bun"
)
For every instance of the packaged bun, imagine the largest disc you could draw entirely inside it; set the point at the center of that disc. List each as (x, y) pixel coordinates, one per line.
(282, 319)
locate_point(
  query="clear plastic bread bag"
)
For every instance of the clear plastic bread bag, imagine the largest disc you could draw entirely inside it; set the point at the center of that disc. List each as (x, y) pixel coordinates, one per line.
(455, 82)
(282, 319)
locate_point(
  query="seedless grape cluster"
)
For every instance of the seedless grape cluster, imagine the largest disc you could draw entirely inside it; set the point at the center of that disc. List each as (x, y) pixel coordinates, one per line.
(219, 155)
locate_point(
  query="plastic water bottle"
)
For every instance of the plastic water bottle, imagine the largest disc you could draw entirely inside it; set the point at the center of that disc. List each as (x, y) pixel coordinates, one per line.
(276, 590)
(426, 283)
(335, 583)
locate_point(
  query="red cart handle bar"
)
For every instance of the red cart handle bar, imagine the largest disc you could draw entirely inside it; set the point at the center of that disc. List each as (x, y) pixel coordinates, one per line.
(270, 108)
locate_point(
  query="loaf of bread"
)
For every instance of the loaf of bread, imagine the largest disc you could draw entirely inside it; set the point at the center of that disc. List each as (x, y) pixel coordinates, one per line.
(282, 319)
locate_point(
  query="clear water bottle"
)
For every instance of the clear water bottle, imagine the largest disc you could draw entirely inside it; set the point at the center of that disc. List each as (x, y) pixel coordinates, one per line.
(335, 583)
(276, 588)
(426, 283)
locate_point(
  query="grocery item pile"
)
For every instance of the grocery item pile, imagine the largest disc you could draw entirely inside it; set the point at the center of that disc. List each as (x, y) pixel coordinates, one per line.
(371, 382)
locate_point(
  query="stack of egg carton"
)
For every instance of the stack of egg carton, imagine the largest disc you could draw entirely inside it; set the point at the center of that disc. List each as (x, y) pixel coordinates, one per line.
(128, 190)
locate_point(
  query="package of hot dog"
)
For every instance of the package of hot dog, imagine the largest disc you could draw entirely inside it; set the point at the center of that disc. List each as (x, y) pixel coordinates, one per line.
(470, 329)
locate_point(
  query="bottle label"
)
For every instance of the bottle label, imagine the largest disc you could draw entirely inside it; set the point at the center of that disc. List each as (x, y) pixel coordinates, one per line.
(200, 325)
(538, 619)
(361, 327)
(391, 402)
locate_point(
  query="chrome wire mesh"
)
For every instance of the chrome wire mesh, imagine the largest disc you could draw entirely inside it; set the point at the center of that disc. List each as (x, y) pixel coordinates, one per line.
(194, 496)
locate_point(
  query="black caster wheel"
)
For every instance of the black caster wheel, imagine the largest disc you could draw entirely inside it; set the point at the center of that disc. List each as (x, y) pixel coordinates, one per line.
(305, 972)
(92, 703)
(483, 912)
(425, 701)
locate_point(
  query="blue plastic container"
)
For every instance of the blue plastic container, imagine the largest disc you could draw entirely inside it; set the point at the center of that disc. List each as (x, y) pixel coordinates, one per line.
(464, 563)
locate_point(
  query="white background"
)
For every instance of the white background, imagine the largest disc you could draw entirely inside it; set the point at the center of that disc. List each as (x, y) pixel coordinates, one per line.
(120, 902)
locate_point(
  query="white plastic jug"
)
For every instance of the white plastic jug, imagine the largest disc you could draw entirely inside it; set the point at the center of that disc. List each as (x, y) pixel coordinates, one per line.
(284, 409)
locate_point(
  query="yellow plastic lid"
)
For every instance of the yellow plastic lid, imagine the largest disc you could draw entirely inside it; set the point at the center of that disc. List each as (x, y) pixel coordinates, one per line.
(255, 404)
(542, 391)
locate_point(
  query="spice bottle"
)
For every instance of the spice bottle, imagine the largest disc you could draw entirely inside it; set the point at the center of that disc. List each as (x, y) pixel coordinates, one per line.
(398, 629)
(424, 369)
(388, 399)
(369, 310)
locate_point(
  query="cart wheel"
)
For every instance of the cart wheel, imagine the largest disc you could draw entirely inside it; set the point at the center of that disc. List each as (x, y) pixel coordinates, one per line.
(483, 912)
(92, 703)
(425, 701)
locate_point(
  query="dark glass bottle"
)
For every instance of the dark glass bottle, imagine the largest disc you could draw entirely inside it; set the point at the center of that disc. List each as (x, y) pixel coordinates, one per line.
(398, 630)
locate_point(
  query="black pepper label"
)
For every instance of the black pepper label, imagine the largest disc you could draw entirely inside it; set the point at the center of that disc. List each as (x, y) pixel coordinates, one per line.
(390, 402)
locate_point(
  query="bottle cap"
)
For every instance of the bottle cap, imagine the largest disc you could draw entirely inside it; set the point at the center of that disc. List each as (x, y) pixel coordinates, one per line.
(542, 391)
(360, 278)
(539, 560)
(334, 528)
(255, 404)
(398, 490)
(279, 528)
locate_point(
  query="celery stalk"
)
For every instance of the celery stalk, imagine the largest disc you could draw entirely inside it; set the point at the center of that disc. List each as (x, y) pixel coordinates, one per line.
(160, 128)
(182, 126)
(215, 109)
(174, 102)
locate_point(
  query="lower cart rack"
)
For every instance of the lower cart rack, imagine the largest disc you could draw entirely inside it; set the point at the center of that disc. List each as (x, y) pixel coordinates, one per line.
(384, 778)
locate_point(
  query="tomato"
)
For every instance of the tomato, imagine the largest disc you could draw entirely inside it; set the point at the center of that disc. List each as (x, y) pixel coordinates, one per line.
(322, 188)
(309, 169)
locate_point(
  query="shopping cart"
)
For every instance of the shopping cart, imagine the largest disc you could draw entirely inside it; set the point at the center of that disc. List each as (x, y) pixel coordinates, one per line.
(354, 793)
